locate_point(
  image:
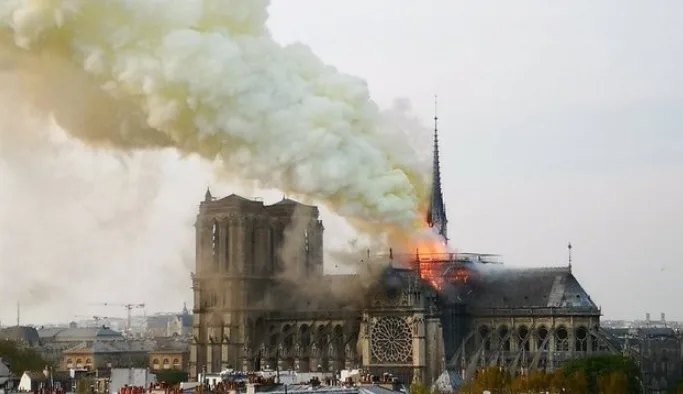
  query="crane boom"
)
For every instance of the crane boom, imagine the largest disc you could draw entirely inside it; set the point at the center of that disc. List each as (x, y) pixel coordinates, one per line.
(129, 310)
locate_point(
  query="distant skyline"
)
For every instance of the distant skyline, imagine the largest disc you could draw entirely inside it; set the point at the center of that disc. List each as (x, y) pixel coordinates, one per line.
(560, 122)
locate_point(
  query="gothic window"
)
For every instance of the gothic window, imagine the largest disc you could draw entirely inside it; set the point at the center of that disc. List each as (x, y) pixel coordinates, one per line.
(288, 334)
(252, 269)
(484, 337)
(524, 342)
(307, 244)
(542, 334)
(581, 339)
(215, 240)
(305, 336)
(561, 336)
(226, 241)
(338, 338)
(273, 246)
(504, 338)
(391, 340)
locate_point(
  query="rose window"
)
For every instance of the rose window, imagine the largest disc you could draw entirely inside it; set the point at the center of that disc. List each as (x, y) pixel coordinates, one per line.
(391, 340)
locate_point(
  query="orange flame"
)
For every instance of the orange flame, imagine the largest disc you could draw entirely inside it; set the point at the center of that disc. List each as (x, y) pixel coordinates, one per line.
(432, 257)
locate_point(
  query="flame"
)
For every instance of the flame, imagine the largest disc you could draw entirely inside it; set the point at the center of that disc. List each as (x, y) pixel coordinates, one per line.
(433, 259)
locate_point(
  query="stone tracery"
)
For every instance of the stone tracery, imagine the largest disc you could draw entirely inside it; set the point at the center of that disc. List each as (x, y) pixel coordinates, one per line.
(391, 340)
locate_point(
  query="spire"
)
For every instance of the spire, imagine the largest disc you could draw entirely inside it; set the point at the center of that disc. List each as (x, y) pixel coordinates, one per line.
(207, 196)
(436, 214)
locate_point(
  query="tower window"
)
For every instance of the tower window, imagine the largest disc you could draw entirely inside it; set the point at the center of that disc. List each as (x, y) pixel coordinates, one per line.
(307, 244)
(252, 268)
(215, 239)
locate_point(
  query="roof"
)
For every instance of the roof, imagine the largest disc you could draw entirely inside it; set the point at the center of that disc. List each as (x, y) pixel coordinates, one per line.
(79, 333)
(171, 346)
(235, 198)
(4, 369)
(111, 347)
(285, 202)
(502, 287)
(28, 335)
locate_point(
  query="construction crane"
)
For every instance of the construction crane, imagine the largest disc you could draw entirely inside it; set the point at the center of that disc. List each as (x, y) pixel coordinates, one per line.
(129, 309)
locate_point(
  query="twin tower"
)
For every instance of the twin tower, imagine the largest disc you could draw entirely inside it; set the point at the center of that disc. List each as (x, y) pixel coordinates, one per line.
(242, 246)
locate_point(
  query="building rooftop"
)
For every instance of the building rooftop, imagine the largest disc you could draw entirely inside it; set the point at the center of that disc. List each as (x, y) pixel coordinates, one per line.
(111, 347)
(503, 287)
(78, 334)
(24, 334)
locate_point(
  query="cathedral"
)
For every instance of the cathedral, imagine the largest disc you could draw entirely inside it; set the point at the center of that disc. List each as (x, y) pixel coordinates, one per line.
(427, 316)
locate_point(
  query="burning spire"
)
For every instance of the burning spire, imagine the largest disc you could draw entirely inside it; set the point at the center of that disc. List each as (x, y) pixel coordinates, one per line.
(436, 214)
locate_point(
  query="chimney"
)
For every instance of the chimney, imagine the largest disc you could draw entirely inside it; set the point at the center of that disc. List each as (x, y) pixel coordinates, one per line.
(663, 318)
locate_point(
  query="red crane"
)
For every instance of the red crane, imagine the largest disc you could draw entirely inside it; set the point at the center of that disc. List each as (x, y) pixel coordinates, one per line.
(129, 310)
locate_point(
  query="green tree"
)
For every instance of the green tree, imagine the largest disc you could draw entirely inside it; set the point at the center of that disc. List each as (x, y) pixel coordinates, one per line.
(602, 367)
(21, 359)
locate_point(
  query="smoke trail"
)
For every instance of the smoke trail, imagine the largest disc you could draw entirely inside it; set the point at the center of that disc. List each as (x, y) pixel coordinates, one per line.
(206, 77)
(62, 222)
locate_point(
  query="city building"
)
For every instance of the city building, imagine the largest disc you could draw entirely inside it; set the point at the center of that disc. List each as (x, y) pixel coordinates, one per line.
(92, 356)
(170, 355)
(428, 315)
(55, 340)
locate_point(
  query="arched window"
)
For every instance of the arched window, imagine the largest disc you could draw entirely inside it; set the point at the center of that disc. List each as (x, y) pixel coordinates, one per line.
(88, 363)
(542, 334)
(524, 342)
(167, 364)
(561, 336)
(581, 339)
(155, 363)
(215, 241)
(69, 363)
(176, 363)
(484, 337)
(503, 338)
(79, 363)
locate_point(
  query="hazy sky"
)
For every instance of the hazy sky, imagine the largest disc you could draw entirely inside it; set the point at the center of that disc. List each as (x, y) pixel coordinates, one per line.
(560, 121)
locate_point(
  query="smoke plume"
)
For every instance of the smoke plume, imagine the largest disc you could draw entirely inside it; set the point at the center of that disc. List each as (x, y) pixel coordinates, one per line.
(330, 292)
(62, 223)
(206, 77)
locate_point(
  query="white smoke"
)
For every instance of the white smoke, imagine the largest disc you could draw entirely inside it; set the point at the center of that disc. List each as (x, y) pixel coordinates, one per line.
(206, 77)
(65, 227)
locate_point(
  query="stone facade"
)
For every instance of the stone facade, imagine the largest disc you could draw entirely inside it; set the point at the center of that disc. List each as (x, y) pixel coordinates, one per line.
(485, 314)
(238, 259)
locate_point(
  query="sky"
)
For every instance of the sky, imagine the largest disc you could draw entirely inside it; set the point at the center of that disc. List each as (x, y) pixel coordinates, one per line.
(560, 122)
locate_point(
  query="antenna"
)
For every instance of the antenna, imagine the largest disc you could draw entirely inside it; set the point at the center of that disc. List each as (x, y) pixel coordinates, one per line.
(18, 313)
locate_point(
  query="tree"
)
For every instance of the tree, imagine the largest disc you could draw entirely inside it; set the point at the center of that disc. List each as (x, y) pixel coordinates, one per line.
(602, 367)
(614, 383)
(21, 359)
(494, 379)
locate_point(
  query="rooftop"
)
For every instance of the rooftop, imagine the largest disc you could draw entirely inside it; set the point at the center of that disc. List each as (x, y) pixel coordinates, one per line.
(78, 333)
